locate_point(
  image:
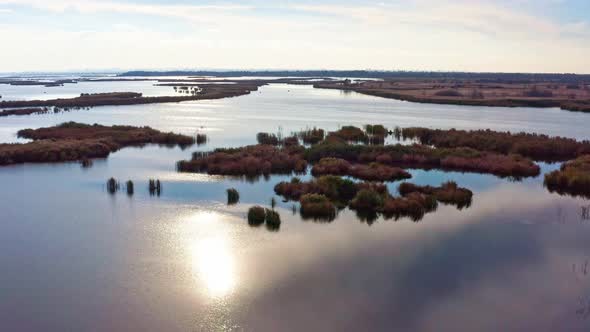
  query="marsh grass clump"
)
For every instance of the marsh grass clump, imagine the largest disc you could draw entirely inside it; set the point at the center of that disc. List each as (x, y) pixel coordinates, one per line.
(112, 185)
(273, 203)
(256, 216)
(155, 187)
(447, 193)
(268, 139)
(414, 205)
(233, 196)
(367, 199)
(201, 139)
(290, 141)
(335, 188)
(376, 134)
(376, 130)
(378, 172)
(573, 178)
(130, 188)
(312, 136)
(272, 220)
(351, 134)
(86, 163)
(252, 161)
(451, 193)
(372, 172)
(331, 166)
(317, 206)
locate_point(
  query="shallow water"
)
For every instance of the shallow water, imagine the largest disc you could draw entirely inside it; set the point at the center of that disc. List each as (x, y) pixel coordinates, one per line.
(74, 257)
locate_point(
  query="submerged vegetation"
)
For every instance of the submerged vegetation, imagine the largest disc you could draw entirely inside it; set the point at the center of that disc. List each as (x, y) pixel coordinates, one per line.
(154, 187)
(573, 178)
(112, 185)
(130, 188)
(75, 141)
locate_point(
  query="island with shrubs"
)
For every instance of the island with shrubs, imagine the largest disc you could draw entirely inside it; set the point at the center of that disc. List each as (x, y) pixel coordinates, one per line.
(73, 141)
(334, 158)
(568, 92)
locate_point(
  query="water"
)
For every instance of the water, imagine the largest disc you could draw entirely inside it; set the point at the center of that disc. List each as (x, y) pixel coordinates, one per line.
(74, 257)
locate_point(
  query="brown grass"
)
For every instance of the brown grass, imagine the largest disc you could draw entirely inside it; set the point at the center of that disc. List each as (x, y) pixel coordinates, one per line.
(535, 146)
(471, 92)
(73, 141)
(249, 161)
(573, 178)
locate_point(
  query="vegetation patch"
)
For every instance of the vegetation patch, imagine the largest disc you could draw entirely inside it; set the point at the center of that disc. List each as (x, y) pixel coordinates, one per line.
(74, 141)
(233, 196)
(247, 161)
(351, 134)
(24, 111)
(535, 146)
(256, 216)
(421, 156)
(272, 219)
(155, 187)
(572, 179)
(317, 207)
(447, 193)
(312, 136)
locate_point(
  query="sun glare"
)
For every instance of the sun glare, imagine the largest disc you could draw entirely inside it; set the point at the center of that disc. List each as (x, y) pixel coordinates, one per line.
(211, 257)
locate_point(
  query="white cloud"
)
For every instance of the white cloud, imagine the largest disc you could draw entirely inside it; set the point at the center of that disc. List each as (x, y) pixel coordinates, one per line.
(421, 35)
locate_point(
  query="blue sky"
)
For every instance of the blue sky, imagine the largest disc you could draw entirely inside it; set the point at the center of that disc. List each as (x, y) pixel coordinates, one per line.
(469, 35)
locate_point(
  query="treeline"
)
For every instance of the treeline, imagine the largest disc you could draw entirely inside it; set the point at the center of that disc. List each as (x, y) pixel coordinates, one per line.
(484, 77)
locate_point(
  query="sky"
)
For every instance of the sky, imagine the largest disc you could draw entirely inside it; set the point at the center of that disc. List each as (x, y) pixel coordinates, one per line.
(440, 35)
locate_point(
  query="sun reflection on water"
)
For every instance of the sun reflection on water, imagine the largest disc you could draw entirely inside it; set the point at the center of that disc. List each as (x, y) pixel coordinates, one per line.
(214, 265)
(210, 253)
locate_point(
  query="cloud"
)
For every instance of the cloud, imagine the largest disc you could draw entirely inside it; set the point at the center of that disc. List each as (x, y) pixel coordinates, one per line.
(189, 12)
(476, 16)
(418, 34)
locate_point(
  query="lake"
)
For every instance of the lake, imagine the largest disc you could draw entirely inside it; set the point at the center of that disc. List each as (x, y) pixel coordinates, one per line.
(74, 257)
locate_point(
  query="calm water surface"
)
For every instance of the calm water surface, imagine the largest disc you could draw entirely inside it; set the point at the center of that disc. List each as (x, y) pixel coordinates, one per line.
(76, 258)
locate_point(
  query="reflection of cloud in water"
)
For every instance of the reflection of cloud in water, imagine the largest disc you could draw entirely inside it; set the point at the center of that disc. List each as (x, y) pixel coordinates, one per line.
(456, 270)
